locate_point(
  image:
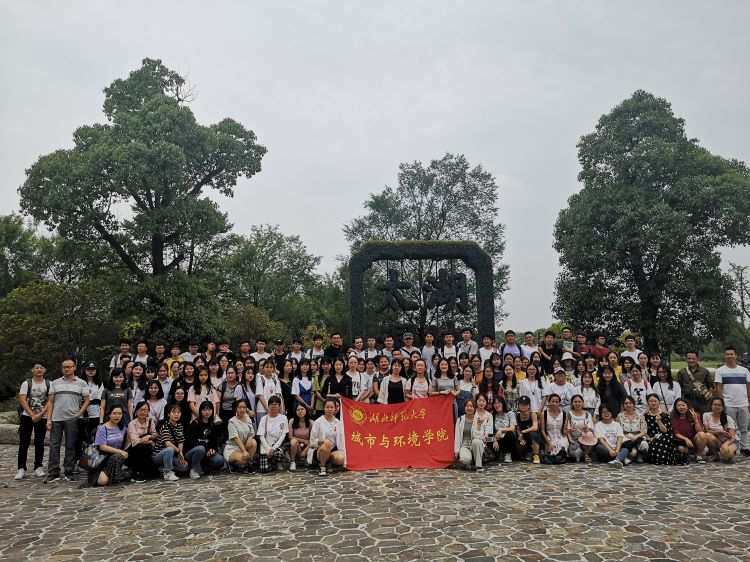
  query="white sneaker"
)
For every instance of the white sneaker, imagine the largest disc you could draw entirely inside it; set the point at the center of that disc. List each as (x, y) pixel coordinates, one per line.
(39, 472)
(194, 474)
(508, 458)
(628, 462)
(170, 476)
(20, 474)
(615, 463)
(292, 466)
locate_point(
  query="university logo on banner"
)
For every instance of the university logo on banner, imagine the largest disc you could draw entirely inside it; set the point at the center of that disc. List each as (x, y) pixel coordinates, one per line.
(415, 433)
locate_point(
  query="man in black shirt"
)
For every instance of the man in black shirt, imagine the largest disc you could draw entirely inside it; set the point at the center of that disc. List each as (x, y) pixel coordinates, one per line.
(336, 349)
(279, 354)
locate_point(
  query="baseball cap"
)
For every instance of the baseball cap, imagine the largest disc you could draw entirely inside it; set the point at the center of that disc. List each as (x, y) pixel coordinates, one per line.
(89, 365)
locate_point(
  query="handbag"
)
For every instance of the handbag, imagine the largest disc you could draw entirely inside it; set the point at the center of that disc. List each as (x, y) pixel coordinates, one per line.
(699, 388)
(92, 457)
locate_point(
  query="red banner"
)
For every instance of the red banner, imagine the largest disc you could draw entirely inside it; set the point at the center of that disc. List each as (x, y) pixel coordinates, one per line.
(416, 433)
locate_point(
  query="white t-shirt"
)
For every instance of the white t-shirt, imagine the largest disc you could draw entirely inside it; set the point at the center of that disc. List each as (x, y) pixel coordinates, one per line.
(609, 432)
(733, 385)
(95, 393)
(266, 388)
(327, 430)
(532, 390)
(485, 353)
(709, 423)
(274, 430)
(301, 383)
(361, 382)
(565, 392)
(448, 351)
(638, 392)
(418, 389)
(666, 395)
(632, 354)
(527, 350)
(38, 396)
(258, 356)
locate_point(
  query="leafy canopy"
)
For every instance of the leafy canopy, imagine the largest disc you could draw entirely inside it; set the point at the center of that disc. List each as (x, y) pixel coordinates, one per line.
(639, 243)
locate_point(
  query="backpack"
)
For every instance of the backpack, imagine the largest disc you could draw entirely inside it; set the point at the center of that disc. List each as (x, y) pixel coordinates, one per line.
(20, 410)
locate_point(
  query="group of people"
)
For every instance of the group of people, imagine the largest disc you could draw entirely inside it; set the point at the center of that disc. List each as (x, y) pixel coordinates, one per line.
(547, 401)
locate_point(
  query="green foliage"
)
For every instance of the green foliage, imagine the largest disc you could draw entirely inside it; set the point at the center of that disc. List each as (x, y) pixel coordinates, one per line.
(151, 159)
(17, 260)
(53, 321)
(274, 272)
(248, 322)
(446, 200)
(639, 243)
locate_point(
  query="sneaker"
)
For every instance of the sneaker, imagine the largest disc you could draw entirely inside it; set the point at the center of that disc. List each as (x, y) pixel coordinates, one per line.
(628, 462)
(250, 468)
(170, 476)
(20, 474)
(699, 459)
(71, 477)
(51, 479)
(479, 468)
(508, 458)
(536, 460)
(39, 472)
(138, 480)
(615, 464)
(322, 471)
(292, 466)
(194, 474)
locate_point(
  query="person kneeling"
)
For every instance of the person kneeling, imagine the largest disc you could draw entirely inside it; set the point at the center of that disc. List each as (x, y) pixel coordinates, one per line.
(241, 446)
(202, 442)
(169, 444)
(327, 438)
(470, 435)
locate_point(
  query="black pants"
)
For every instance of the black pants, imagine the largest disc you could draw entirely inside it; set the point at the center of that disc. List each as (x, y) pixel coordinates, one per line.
(86, 434)
(24, 431)
(507, 444)
(225, 416)
(139, 460)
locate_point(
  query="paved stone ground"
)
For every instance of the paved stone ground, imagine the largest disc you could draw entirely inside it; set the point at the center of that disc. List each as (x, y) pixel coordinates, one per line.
(508, 512)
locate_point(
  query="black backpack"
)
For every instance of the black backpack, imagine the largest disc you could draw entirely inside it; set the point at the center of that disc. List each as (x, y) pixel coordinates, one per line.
(29, 382)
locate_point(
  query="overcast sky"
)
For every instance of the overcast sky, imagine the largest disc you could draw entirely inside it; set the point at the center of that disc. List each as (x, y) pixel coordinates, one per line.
(342, 92)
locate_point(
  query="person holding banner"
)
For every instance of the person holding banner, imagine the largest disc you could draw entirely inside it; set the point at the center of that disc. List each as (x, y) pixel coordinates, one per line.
(471, 432)
(393, 387)
(327, 438)
(419, 386)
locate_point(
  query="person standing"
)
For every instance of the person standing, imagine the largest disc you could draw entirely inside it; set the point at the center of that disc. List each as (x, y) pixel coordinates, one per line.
(696, 384)
(467, 345)
(68, 400)
(630, 350)
(34, 401)
(733, 385)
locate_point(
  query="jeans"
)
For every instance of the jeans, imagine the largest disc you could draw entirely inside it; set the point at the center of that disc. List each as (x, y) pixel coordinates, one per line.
(165, 458)
(740, 416)
(70, 429)
(196, 455)
(602, 453)
(24, 430)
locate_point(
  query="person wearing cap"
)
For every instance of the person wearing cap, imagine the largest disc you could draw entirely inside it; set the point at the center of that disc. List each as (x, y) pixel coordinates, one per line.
(527, 429)
(33, 398)
(562, 388)
(88, 424)
(408, 348)
(568, 364)
(278, 354)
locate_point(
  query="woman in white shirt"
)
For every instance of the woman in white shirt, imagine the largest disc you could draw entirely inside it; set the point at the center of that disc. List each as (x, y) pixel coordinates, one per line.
(241, 446)
(327, 438)
(721, 431)
(272, 430)
(666, 390)
(471, 432)
(610, 436)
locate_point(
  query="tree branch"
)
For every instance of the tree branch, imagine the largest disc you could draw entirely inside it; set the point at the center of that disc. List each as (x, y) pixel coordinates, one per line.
(117, 247)
(208, 178)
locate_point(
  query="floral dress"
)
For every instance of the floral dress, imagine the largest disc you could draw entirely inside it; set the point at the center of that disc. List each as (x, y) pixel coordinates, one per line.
(661, 450)
(511, 398)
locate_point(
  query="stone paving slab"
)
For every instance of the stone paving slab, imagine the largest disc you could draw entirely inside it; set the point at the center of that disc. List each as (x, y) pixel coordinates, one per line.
(517, 512)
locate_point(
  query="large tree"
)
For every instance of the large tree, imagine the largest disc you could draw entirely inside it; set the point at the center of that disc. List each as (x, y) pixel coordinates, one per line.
(138, 182)
(274, 272)
(446, 200)
(639, 243)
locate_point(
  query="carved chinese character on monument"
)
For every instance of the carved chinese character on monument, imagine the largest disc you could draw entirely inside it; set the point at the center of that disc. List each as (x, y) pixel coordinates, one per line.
(447, 290)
